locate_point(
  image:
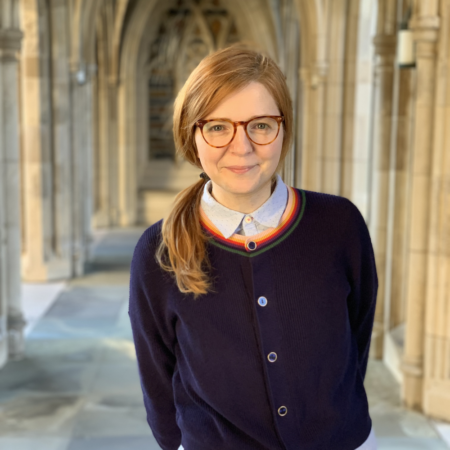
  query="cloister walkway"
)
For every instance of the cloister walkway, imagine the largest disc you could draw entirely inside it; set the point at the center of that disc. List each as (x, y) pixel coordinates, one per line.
(77, 388)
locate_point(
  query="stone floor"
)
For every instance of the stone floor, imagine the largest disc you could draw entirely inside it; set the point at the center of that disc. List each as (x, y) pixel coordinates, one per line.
(77, 387)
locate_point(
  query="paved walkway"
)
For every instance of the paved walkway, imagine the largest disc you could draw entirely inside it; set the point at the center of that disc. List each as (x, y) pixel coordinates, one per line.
(78, 389)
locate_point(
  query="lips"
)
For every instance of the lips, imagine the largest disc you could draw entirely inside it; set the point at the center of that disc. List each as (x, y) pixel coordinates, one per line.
(240, 169)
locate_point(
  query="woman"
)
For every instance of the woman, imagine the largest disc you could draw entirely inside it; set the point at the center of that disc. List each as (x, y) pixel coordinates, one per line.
(252, 304)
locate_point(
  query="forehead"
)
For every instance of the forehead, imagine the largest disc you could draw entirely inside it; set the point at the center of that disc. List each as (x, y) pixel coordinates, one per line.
(252, 100)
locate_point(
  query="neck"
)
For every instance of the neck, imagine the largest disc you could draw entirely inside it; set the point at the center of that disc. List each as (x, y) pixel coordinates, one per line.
(245, 203)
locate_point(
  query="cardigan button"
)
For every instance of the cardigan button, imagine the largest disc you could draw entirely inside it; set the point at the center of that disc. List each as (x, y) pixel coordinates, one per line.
(272, 356)
(262, 301)
(282, 410)
(250, 246)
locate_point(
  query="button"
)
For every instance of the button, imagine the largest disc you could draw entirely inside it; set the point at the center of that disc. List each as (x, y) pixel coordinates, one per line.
(248, 219)
(272, 356)
(262, 301)
(282, 410)
(250, 245)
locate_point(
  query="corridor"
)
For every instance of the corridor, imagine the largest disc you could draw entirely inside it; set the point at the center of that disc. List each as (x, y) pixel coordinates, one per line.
(77, 387)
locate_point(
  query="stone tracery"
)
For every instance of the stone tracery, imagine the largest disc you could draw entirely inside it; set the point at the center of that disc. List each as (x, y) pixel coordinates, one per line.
(187, 32)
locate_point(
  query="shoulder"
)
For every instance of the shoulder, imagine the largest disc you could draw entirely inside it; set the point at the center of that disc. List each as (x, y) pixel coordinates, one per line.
(147, 244)
(330, 206)
(333, 219)
(148, 298)
(146, 273)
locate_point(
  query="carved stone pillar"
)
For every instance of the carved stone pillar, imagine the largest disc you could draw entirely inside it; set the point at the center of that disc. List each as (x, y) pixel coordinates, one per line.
(382, 127)
(436, 363)
(289, 61)
(426, 33)
(45, 142)
(104, 169)
(81, 167)
(313, 89)
(11, 318)
(107, 211)
(56, 148)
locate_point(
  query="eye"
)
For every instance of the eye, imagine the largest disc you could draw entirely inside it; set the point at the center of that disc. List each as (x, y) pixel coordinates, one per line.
(216, 127)
(260, 126)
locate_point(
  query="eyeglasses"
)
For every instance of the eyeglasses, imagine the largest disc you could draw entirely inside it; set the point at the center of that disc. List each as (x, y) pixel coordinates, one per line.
(262, 130)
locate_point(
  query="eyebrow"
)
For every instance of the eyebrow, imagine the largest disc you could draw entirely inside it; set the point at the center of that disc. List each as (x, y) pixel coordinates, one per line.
(250, 118)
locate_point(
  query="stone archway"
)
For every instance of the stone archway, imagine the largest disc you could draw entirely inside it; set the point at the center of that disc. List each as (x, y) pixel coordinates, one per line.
(132, 28)
(134, 166)
(186, 34)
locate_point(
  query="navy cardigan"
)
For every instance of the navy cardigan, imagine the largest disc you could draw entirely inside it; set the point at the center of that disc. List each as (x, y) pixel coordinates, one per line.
(276, 357)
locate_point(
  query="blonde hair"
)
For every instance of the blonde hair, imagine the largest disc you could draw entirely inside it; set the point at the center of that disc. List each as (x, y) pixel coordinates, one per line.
(182, 250)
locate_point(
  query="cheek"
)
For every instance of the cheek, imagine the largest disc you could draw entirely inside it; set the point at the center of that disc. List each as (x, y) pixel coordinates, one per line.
(272, 152)
(200, 147)
(204, 153)
(278, 147)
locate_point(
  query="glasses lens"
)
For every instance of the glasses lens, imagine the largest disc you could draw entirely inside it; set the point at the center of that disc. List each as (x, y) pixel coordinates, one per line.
(218, 133)
(262, 130)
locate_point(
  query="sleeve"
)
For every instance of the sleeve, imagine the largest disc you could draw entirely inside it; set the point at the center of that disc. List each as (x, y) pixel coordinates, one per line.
(361, 301)
(155, 360)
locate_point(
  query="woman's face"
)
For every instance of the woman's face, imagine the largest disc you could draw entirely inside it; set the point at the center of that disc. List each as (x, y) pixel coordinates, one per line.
(261, 160)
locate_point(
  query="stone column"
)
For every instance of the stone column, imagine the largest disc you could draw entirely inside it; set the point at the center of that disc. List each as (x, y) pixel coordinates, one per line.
(130, 143)
(102, 216)
(55, 149)
(397, 239)
(357, 104)
(106, 185)
(81, 167)
(45, 144)
(436, 396)
(313, 89)
(61, 99)
(425, 26)
(289, 62)
(383, 91)
(11, 318)
(335, 89)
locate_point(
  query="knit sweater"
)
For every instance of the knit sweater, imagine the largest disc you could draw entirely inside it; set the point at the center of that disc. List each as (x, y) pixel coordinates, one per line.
(276, 356)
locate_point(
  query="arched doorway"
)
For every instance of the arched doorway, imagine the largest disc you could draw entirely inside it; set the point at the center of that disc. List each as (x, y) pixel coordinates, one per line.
(161, 45)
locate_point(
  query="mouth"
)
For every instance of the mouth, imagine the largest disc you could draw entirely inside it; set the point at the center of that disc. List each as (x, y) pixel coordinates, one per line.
(240, 169)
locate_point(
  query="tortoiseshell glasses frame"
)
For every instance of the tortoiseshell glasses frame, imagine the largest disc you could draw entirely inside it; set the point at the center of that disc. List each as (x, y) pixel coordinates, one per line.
(202, 122)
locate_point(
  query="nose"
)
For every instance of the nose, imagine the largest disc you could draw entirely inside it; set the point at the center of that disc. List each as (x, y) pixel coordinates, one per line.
(241, 143)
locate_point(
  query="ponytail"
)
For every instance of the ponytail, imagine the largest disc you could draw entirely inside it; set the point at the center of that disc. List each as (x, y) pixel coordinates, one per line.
(182, 251)
(184, 242)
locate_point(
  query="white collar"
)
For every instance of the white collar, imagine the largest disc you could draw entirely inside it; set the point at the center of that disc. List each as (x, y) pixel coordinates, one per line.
(228, 220)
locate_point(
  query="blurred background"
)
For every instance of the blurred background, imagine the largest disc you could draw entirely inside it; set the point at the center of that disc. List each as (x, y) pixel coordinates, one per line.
(87, 162)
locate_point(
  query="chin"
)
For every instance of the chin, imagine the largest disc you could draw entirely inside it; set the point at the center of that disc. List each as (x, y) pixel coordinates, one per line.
(242, 186)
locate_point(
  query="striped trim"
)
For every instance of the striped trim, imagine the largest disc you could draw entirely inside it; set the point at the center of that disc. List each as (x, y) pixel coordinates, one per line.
(238, 243)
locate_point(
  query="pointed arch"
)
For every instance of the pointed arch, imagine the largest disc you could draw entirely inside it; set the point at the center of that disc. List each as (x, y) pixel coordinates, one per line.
(254, 24)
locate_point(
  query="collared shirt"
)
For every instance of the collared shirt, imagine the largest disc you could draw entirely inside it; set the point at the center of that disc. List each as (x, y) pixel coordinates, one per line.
(231, 222)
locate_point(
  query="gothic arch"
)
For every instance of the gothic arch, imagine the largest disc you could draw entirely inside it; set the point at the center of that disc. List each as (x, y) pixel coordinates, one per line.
(132, 141)
(85, 14)
(311, 16)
